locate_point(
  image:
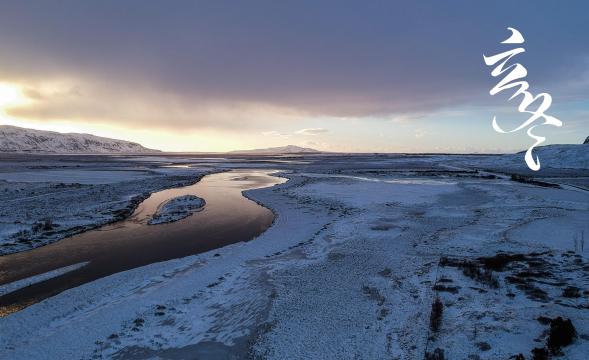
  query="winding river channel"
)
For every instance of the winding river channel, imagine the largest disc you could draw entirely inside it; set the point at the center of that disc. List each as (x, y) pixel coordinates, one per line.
(228, 217)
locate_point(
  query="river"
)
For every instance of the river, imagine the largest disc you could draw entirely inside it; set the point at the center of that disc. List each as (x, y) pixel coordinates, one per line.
(228, 217)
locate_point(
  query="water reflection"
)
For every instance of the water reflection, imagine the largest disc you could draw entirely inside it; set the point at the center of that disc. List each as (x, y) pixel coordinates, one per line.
(228, 217)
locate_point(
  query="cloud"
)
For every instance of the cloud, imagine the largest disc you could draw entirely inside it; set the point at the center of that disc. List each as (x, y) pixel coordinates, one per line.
(271, 133)
(94, 101)
(352, 60)
(308, 131)
(311, 131)
(274, 133)
(364, 68)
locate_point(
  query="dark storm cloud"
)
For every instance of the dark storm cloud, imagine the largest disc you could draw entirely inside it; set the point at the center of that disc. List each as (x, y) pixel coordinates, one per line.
(337, 58)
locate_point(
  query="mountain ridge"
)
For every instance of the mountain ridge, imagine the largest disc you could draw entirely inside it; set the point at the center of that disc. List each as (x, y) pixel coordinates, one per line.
(288, 149)
(15, 139)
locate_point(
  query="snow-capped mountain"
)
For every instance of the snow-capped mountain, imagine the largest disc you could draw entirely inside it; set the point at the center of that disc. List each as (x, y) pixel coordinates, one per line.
(288, 149)
(22, 140)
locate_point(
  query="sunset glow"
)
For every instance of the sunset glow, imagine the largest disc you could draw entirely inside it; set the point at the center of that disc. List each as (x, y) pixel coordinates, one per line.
(10, 95)
(359, 85)
(294, 179)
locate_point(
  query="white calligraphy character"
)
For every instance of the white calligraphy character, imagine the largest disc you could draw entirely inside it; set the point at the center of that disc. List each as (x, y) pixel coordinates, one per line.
(517, 72)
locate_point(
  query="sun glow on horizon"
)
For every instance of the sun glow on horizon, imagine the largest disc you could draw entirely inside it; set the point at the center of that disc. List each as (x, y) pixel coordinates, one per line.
(160, 139)
(190, 139)
(11, 95)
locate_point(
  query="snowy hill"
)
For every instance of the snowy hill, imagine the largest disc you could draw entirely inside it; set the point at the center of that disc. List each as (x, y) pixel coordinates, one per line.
(289, 149)
(21, 140)
(561, 156)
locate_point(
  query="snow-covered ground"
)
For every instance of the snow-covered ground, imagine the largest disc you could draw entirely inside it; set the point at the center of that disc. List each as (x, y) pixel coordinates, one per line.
(556, 160)
(555, 156)
(177, 209)
(44, 201)
(358, 254)
(13, 286)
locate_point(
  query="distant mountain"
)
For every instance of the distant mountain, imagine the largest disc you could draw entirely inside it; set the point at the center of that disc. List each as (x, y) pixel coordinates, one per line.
(586, 142)
(21, 140)
(289, 149)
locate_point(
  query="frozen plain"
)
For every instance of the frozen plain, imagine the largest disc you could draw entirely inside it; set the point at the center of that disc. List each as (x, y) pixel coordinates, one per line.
(360, 248)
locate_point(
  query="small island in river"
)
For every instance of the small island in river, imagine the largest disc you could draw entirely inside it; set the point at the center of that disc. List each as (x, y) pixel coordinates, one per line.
(177, 209)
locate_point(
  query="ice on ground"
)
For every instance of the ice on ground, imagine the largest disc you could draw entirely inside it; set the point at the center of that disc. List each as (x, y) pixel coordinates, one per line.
(75, 176)
(362, 191)
(13, 286)
(177, 209)
(216, 297)
(350, 269)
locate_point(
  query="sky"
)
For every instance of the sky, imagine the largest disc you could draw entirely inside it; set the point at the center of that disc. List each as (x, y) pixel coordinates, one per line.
(352, 76)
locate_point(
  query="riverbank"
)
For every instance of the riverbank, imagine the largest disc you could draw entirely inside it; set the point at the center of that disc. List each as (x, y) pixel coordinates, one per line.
(229, 217)
(359, 279)
(60, 200)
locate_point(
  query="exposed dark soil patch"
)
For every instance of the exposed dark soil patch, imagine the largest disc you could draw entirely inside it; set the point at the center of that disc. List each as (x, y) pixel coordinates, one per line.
(472, 269)
(435, 319)
(541, 276)
(532, 181)
(562, 333)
